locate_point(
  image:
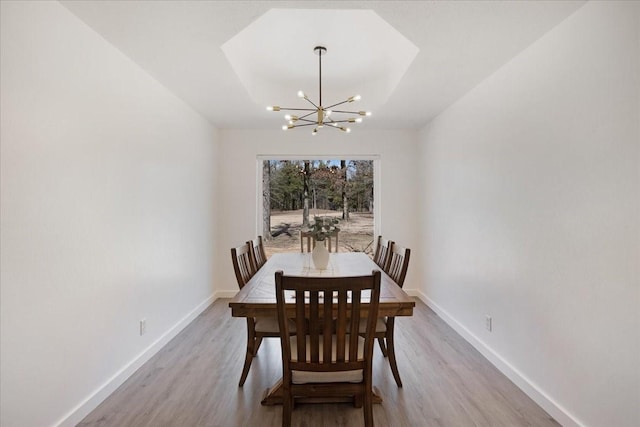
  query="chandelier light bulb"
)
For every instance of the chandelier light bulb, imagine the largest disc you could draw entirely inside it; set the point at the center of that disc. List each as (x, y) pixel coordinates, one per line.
(301, 94)
(358, 120)
(287, 116)
(348, 130)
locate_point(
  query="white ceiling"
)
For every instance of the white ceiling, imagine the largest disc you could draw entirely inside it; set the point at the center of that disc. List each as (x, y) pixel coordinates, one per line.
(460, 44)
(364, 55)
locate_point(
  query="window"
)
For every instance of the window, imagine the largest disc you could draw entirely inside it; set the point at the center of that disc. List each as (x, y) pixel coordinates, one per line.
(294, 191)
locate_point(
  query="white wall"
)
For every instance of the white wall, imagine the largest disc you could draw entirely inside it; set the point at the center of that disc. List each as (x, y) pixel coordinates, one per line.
(531, 190)
(107, 182)
(238, 153)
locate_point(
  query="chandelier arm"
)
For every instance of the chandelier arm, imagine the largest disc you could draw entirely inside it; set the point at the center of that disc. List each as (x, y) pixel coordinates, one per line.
(335, 105)
(312, 103)
(341, 121)
(297, 109)
(304, 124)
(357, 113)
(307, 115)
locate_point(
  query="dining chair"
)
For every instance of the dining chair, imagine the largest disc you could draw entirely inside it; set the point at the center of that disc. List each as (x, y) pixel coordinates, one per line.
(257, 327)
(396, 268)
(381, 256)
(258, 253)
(308, 238)
(326, 358)
(398, 263)
(243, 264)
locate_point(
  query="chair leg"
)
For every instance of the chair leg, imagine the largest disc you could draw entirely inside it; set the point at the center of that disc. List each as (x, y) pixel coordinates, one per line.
(357, 401)
(368, 409)
(392, 351)
(383, 348)
(251, 338)
(256, 346)
(287, 408)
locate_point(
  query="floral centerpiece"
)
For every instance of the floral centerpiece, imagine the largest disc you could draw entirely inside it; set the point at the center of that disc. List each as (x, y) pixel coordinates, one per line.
(323, 227)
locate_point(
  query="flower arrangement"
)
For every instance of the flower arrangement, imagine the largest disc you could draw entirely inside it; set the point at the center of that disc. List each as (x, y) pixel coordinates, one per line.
(323, 227)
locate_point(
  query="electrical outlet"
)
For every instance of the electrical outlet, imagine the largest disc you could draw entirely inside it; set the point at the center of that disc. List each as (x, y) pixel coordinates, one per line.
(143, 326)
(488, 323)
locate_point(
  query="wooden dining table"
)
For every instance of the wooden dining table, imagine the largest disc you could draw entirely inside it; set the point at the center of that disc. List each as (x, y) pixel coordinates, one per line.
(258, 297)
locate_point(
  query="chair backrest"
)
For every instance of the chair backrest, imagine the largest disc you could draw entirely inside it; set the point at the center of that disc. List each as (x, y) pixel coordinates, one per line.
(257, 249)
(243, 266)
(398, 263)
(381, 256)
(308, 238)
(328, 312)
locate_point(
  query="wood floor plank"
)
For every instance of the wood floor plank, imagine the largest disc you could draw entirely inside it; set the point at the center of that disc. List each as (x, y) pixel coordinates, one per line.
(193, 381)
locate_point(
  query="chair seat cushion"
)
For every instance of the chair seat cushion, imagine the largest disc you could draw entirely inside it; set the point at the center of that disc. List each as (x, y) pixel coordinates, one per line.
(303, 377)
(270, 324)
(381, 325)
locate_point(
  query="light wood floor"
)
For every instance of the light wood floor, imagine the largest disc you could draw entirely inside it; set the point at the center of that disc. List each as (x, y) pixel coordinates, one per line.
(193, 381)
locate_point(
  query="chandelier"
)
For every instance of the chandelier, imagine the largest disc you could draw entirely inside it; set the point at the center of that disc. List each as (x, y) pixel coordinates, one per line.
(320, 116)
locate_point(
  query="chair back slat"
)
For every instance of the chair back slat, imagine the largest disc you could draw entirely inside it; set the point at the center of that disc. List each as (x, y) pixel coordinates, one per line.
(327, 302)
(314, 326)
(398, 263)
(243, 265)
(341, 326)
(300, 326)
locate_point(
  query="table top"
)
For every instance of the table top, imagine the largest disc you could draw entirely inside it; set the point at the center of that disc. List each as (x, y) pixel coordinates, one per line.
(258, 297)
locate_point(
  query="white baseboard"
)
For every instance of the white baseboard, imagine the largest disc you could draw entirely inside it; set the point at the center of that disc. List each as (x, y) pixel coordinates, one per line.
(78, 413)
(560, 414)
(224, 294)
